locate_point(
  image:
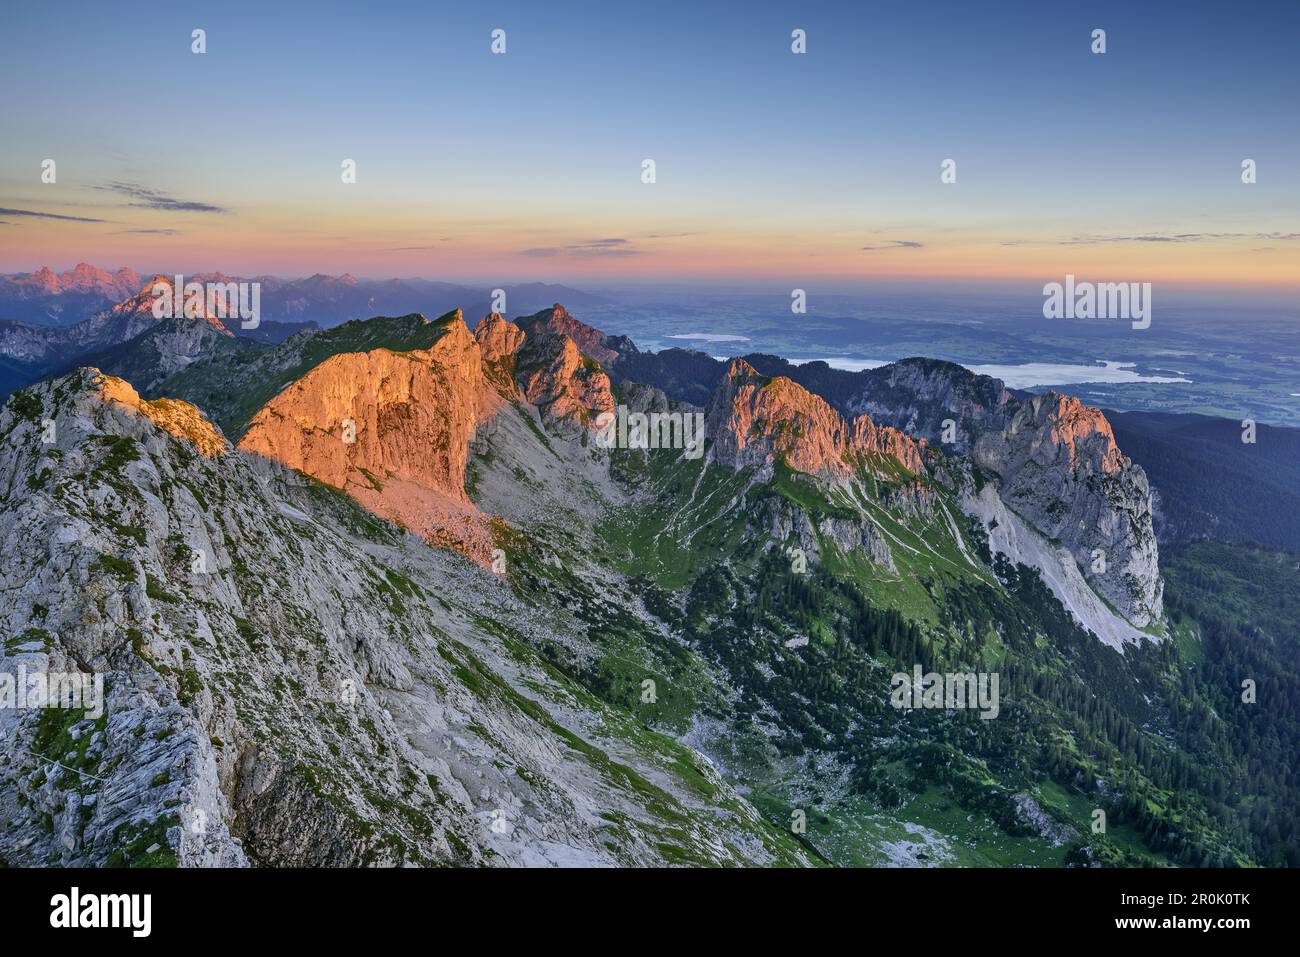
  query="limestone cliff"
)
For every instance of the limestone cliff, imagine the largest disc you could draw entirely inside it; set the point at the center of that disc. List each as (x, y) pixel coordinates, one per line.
(754, 420)
(392, 429)
(1054, 461)
(591, 342)
(1060, 469)
(569, 387)
(498, 341)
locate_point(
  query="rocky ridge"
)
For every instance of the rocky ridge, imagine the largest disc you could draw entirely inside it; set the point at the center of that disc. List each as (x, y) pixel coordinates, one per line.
(356, 712)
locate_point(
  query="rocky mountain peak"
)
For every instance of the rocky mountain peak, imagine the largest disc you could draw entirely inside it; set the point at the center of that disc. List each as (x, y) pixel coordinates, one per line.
(1062, 426)
(567, 385)
(45, 278)
(593, 343)
(137, 311)
(83, 278)
(87, 400)
(757, 420)
(740, 372)
(1058, 467)
(498, 341)
(920, 396)
(498, 338)
(1055, 463)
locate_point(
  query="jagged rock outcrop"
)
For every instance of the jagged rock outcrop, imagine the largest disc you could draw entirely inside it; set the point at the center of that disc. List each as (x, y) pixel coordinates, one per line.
(918, 396)
(1056, 465)
(552, 361)
(1060, 469)
(498, 341)
(591, 342)
(498, 338)
(784, 522)
(177, 418)
(754, 420)
(392, 429)
(569, 387)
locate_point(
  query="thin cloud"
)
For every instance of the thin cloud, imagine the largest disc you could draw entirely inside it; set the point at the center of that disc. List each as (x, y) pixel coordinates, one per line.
(1156, 238)
(150, 232)
(591, 248)
(40, 215)
(895, 244)
(145, 198)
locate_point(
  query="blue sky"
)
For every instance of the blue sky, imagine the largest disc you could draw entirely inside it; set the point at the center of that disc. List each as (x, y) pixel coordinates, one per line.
(486, 159)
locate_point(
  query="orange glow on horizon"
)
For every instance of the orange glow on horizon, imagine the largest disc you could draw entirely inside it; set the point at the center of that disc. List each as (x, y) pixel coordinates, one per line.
(405, 243)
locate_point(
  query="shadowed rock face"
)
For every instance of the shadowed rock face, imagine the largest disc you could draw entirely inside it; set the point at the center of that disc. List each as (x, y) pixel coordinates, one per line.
(756, 420)
(392, 429)
(1055, 462)
(591, 342)
(919, 396)
(1060, 469)
(166, 349)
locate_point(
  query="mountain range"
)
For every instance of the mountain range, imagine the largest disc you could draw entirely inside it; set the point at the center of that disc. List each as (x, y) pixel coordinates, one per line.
(44, 297)
(50, 323)
(398, 592)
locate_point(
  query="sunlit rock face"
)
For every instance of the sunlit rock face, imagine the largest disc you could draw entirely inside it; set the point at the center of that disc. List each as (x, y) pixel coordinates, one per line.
(568, 386)
(392, 429)
(756, 420)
